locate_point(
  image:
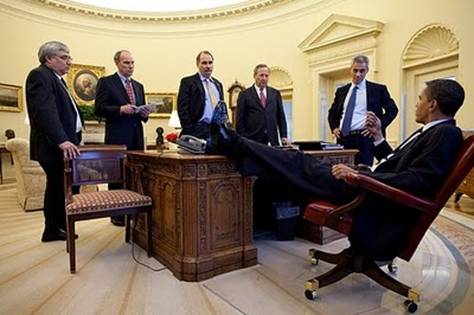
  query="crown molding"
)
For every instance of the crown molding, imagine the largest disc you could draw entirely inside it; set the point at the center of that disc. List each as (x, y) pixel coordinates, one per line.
(183, 16)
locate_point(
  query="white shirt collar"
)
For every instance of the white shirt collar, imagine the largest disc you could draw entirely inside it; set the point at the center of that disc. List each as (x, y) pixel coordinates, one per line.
(360, 86)
(124, 78)
(434, 123)
(203, 78)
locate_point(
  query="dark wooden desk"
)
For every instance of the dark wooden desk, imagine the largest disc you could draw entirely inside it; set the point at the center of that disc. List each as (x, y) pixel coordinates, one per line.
(202, 212)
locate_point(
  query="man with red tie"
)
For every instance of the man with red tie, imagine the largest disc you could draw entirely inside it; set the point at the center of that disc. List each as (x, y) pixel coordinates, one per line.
(260, 114)
(118, 97)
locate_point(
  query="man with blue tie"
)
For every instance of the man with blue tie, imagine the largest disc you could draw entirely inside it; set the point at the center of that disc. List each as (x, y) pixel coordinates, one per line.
(198, 95)
(419, 165)
(352, 102)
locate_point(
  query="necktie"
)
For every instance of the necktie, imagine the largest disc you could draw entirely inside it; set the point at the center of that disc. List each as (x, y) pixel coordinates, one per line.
(409, 140)
(129, 89)
(346, 123)
(212, 96)
(405, 144)
(263, 99)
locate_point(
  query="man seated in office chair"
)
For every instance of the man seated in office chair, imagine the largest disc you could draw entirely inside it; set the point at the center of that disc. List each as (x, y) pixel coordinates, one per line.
(419, 165)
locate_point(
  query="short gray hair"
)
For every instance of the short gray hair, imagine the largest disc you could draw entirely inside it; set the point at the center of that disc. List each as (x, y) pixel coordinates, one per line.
(51, 49)
(259, 66)
(361, 59)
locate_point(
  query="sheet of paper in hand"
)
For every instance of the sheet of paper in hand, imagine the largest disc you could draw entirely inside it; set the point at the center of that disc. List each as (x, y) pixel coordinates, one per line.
(151, 107)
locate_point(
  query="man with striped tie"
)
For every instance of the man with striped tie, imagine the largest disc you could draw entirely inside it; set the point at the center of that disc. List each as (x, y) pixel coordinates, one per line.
(117, 100)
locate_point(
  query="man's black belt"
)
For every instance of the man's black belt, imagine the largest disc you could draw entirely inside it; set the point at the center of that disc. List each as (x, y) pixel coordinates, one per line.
(357, 132)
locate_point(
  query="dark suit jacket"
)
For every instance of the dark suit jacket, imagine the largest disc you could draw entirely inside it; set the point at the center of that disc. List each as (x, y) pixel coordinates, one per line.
(51, 113)
(120, 129)
(382, 226)
(258, 123)
(191, 101)
(378, 101)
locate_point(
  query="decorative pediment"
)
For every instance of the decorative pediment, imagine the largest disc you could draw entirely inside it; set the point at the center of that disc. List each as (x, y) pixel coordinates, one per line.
(337, 29)
(280, 78)
(430, 43)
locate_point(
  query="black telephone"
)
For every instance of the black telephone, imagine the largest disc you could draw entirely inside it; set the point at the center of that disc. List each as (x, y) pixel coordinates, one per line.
(192, 144)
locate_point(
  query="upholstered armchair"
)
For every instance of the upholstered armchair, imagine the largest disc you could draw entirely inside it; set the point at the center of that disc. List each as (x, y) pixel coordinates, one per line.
(30, 177)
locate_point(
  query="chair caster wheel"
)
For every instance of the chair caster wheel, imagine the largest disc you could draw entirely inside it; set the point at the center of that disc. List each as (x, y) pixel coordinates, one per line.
(392, 268)
(411, 306)
(310, 295)
(312, 259)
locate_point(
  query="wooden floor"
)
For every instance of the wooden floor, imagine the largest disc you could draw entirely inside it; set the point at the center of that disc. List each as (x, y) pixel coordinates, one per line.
(35, 279)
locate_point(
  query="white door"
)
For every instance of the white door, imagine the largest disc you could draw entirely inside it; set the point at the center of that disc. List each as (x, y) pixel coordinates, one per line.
(416, 82)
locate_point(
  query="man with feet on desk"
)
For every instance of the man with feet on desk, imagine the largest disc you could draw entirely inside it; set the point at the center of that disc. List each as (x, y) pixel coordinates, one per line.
(419, 165)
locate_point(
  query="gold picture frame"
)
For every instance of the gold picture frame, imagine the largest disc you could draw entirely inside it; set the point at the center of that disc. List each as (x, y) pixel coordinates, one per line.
(82, 82)
(162, 111)
(11, 98)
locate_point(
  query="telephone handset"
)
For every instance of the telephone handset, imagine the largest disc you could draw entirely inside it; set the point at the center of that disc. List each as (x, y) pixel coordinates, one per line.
(192, 144)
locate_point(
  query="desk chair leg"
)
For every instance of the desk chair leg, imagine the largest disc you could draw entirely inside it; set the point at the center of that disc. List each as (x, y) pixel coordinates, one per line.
(148, 233)
(71, 245)
(127, 227)
(316, 255)
(375, 273)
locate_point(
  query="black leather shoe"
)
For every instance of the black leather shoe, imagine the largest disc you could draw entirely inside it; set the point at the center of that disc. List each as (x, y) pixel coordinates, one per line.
(219, 115)
(118, 220)
(53, 236)
(59, 235)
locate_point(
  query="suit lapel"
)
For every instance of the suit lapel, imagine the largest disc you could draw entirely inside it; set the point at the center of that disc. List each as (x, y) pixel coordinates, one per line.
(138, 97)
(119, 87)
(198, 83)
(368, 92)
(256, 98)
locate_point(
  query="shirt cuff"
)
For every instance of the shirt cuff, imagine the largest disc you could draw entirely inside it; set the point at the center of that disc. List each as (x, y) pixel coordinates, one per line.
(376, 143)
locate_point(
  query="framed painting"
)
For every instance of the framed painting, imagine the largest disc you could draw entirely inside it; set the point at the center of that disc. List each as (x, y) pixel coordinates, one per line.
(10, 98)
(82, 82)
(164, 110)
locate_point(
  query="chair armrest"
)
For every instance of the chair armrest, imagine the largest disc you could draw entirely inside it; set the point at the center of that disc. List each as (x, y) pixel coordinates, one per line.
(370, 184)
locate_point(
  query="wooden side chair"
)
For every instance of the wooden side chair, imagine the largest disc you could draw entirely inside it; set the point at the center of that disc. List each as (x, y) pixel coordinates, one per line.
(339, 218)
(99, 165)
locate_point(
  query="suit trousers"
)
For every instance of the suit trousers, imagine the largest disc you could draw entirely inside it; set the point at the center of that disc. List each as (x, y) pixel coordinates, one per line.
(376, 231)
(365, 146)
(54, 207)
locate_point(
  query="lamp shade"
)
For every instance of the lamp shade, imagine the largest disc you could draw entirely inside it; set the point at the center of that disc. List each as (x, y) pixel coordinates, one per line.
(174, 120)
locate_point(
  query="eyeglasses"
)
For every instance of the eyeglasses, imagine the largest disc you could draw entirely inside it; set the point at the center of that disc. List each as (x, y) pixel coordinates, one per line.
(64, 57)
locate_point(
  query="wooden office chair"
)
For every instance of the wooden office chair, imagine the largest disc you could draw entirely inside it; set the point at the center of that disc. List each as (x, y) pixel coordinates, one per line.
(98, 165)
(339, 218)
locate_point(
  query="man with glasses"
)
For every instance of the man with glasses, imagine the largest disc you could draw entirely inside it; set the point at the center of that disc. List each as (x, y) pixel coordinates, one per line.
(56, 125)
(348, 113)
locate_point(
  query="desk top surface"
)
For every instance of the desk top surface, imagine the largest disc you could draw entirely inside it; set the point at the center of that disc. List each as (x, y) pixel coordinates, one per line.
(177, 154)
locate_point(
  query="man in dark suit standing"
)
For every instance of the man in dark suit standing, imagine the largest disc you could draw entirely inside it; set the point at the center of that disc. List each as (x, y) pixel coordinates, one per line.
(117, 99)
(260, 117)
(260, 114)
(348, 112)
(198, 95)
(56, 125)
(420, 165)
